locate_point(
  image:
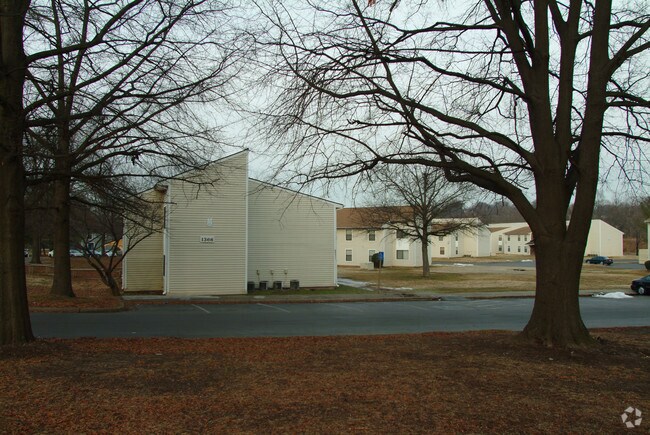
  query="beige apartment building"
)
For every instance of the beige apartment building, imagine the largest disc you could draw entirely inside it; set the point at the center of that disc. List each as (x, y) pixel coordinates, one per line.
(224, 232)
(517, 238)
(359, 235)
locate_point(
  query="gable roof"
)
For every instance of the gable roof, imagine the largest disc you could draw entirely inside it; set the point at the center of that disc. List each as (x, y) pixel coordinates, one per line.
(368, 217)
(519, 231)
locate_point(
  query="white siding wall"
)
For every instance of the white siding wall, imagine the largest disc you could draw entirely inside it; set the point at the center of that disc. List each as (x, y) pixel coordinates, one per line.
(291, 236)
(143, 263)
(217, 211)
(483, 242)
(604, 239)
(360, 246)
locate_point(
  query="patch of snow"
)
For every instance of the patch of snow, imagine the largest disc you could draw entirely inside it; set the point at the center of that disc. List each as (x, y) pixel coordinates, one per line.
(526, 261)
(352, 283)
(397, 288)
(612, 295)
(462, 264)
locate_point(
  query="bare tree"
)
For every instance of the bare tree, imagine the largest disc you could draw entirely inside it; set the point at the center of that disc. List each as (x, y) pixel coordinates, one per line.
(15, 326)
(120, 81)
(104, 216)
(520, 98)
(419, 202)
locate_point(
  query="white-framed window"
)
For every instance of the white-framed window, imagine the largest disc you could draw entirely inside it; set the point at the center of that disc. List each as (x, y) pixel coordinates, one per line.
(508, 248)
(508, 238)
(348, 255)
(500, 238)
(518, 248)
(401, 234)
(519, 238)
(348, 234)
(526, 238)
(402, 254)
(526, 249)
(371, 235)
(456, 251)
(442, 250)
(441, 238)
(371, 252)
(456, 236)
(500, 248)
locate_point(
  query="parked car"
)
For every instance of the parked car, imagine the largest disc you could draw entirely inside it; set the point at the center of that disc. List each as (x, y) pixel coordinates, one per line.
(641, 285)
(600, 259)
(108, 253)
(73, 253)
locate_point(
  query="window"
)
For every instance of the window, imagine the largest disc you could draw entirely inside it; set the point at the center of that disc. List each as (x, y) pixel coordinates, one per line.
(519, 238)
(526, 249)
(402, 254)
(518, 248)
(371, 235)
(500, 248)
(401, 234)
(441, 238)
(500, 238)
(348, 234)
(456, 251)
(371, 252)
(508, 248)
(508, 238)
(456, 237)
(348, 255)
(526, 238)
(442, 250)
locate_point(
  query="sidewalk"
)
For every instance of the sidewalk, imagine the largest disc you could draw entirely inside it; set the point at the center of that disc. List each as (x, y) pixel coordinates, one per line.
(384, 296)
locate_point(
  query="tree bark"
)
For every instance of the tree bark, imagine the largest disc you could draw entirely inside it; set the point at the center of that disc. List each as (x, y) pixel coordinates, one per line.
(426, 269)
(62, 282)
(556, 320)
(15, 326)
(36, 249)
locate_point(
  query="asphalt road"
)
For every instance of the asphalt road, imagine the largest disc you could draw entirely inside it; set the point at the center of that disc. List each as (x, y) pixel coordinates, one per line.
(345, 318)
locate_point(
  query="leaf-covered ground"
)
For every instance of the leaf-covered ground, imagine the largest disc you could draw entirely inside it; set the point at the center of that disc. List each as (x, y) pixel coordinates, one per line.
(483, 382)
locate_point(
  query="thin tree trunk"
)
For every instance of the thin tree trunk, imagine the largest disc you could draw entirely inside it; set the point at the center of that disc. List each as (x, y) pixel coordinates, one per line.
(15, 326)
(106, 274)
(62, 282)
(556, 316)
(426, 269)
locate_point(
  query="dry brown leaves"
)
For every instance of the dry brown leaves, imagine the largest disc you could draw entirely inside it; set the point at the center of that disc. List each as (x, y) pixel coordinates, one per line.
(439, 383)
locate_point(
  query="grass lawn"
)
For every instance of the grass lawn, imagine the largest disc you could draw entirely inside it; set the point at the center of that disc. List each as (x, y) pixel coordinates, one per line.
(482, 382)
(450, 278)
(340, 290)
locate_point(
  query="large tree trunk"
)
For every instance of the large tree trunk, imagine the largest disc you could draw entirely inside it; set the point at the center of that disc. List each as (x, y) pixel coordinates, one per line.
(556, 316)
(62, 282)
(15, 326)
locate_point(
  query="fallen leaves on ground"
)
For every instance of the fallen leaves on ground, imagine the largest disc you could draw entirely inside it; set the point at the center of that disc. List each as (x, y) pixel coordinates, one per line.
(440, 383)
(90, 294)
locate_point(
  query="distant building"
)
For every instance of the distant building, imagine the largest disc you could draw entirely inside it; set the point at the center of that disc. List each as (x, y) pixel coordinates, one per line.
(517, 238)
(359, 235)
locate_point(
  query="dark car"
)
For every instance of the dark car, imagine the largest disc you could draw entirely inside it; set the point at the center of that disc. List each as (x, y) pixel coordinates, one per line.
(599, 259)
(641, 285)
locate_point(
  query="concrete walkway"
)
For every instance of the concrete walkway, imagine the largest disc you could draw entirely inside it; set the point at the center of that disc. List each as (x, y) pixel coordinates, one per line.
(371, 296)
